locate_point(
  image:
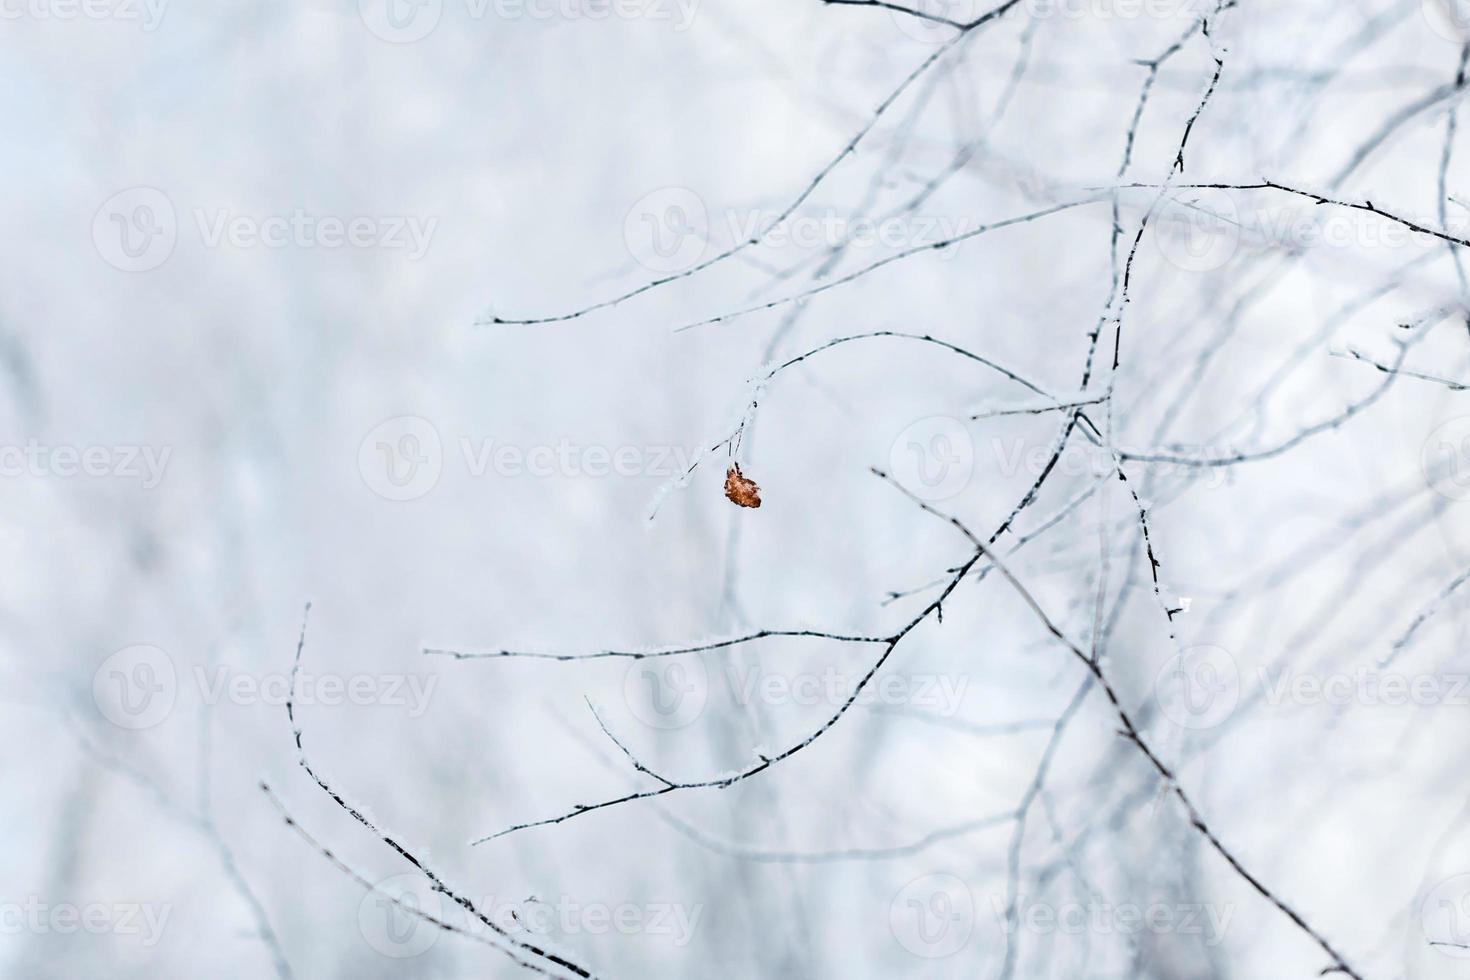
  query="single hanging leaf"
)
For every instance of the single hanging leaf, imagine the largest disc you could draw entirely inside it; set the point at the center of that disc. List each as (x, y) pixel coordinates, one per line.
(740, 489)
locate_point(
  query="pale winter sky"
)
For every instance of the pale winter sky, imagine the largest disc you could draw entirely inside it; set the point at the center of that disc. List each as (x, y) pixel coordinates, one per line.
(1101, 370)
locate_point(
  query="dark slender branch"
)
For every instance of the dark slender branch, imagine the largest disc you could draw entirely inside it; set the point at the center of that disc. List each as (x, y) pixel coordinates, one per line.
(888, 260)
(1326, 425)
(732, 437)
(516, 943)
(705, 647)
(1018, 832)
(996, 413)
(206, 827)
(966, 30)
(407, 908)
(1392, 125)
(839, 855)
(1131, 732)
(890, 644)
(994, 730)
(884, 4)
(922, 338)
(1365, 206)
(1407, 636)
(1175, 169)
(1358, 355)
(637, 763)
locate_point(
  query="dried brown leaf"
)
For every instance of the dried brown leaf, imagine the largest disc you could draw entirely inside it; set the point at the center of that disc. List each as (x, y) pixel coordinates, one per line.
(741, 489)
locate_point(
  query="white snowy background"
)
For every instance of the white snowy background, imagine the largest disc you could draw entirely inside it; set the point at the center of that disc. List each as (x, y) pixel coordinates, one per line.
(173, 289)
